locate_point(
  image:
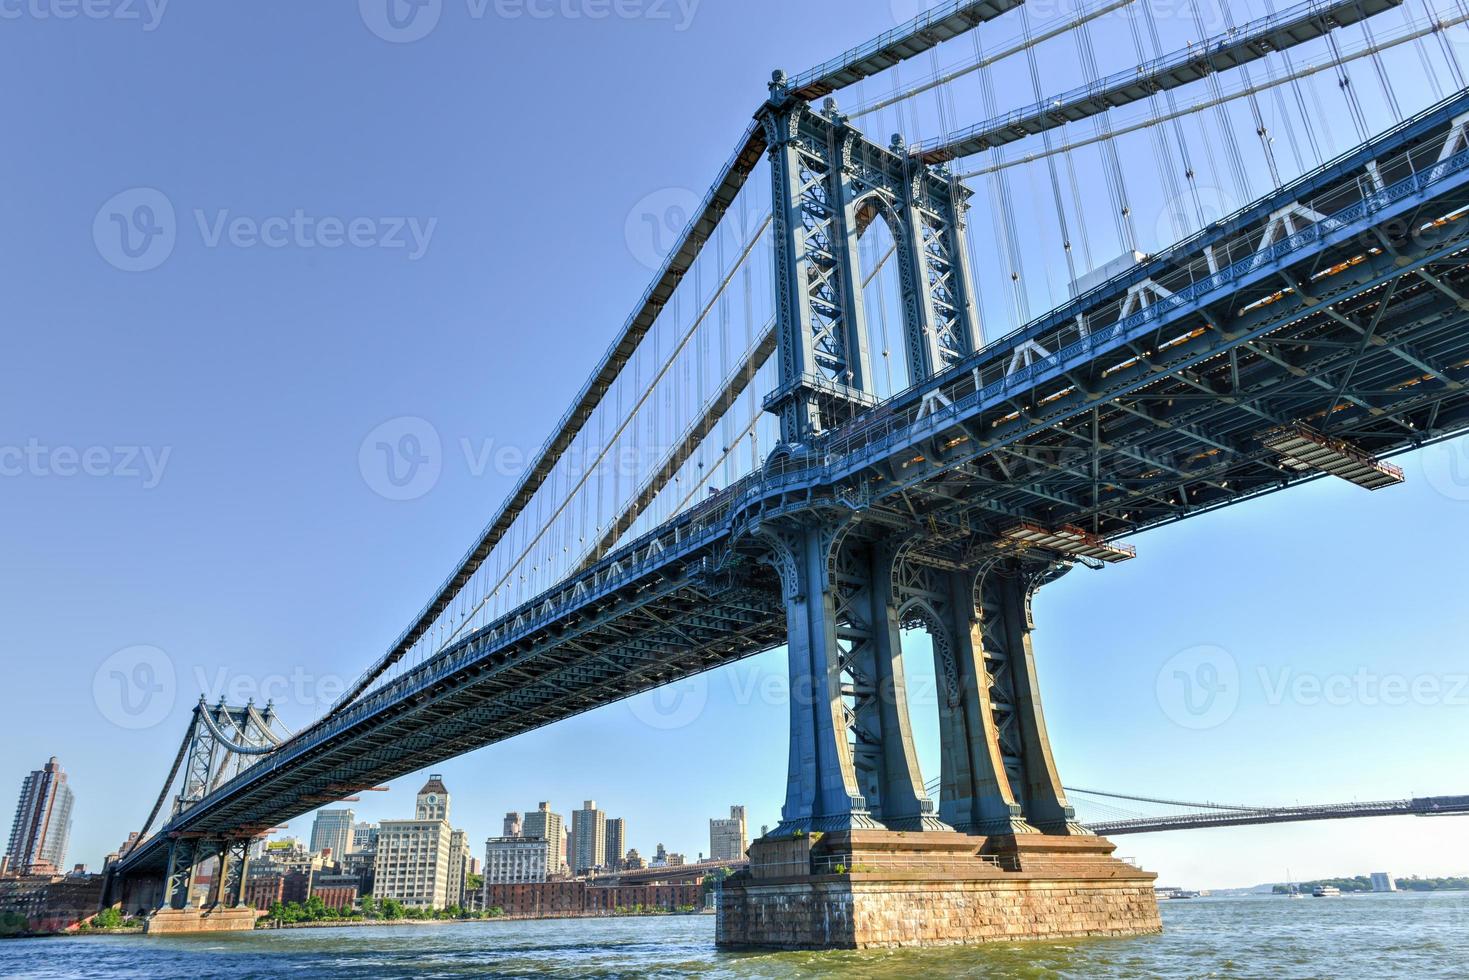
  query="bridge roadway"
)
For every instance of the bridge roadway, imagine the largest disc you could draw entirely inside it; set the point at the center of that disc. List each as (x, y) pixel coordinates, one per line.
(1428, 806)
(1139, 403)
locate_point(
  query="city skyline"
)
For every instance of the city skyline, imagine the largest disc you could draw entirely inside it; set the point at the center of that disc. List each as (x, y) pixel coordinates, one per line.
(277, 483)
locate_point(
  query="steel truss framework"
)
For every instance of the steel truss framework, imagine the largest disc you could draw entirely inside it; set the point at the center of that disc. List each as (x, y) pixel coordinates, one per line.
(1339, 302)
(830, 184)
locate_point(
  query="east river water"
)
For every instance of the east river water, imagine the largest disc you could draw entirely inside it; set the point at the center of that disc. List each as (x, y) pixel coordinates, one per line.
(1407, 935)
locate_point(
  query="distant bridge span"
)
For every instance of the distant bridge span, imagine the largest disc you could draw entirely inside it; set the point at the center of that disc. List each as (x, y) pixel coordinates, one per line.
(1426, 806)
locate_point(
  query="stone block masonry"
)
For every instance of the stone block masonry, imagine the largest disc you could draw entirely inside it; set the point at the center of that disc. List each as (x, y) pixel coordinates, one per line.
(877, 889)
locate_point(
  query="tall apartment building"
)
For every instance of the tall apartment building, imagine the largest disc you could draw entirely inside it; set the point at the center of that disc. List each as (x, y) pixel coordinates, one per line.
(415, 858)
(512, 824)
(517, 860)
(458, 868)
(333, 830)
(616, 843)
(549, 827)
(727, 837)
(42, 826)
(588, 837)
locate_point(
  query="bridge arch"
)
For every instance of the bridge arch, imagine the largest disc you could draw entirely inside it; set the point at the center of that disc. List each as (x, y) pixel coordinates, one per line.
(887, 291)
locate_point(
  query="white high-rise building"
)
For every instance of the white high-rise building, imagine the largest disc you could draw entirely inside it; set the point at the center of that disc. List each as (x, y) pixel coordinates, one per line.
(517, 860)
(332, 830)
(1382, 881)
(416, 859)
(727, 837)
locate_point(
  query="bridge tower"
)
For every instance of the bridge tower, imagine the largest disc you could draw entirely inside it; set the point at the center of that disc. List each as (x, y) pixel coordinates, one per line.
(855, 577)
(221, 741)
(830, 183)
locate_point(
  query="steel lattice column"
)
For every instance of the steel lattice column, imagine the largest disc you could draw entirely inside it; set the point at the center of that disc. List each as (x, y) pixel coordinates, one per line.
(889, 774)
(234, 867)
(941, 320)
(822, 346)
(1000, 646)
(183, 862)
(852, 763)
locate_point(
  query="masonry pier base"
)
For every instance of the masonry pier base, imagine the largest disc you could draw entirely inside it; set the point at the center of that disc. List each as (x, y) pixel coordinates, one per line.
(866, 889)
(173, 922)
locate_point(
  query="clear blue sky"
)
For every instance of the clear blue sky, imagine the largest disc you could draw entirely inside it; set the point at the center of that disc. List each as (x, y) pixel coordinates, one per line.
(226, 393)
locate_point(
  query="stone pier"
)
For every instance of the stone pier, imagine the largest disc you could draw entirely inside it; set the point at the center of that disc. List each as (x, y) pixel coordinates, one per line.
(171, 922)
(867, 889)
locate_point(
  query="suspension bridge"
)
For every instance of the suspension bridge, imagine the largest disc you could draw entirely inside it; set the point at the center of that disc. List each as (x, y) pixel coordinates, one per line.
(850, 424)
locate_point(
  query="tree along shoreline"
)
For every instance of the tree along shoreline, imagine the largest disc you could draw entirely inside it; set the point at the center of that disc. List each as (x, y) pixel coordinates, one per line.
(1362, 883)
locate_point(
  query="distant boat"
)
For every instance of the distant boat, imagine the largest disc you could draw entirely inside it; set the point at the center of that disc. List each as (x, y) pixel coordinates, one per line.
(1326, 891)
(1292, 890)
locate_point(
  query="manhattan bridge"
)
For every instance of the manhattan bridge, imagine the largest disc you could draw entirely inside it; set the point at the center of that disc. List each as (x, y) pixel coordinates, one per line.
(968, 306)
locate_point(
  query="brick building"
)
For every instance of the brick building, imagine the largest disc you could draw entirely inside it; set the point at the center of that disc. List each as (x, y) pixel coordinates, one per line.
(51, 903)
(263, 891)
(579, 897)
(336, 891)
